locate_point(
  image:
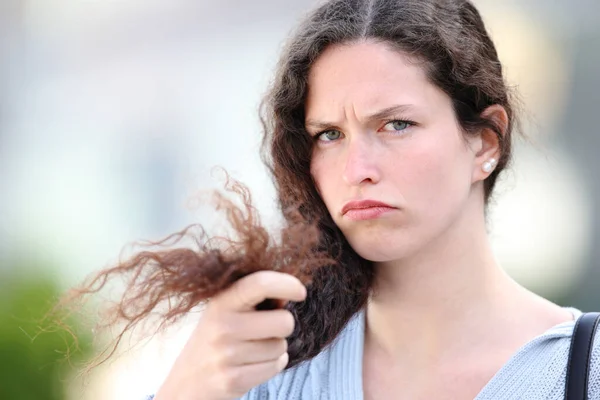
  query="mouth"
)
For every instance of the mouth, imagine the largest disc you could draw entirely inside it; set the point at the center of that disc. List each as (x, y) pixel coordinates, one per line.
(365, 209)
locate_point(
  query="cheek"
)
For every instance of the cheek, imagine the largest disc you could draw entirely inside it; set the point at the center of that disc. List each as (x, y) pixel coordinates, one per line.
(434, 175)
(324, 177)
(328, 180)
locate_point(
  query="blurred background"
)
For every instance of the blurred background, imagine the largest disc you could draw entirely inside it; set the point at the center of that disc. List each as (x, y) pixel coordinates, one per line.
(113, 113)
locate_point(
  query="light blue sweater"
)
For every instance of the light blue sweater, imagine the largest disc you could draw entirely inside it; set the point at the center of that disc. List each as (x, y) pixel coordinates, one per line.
(535, 372)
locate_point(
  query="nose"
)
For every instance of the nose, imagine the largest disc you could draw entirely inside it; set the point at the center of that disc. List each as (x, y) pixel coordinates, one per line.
(361, 163)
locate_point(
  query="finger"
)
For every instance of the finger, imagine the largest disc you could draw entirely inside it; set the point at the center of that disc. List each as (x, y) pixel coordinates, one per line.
(254, 352)
(242, 378)
(251, 290)
(260, 325)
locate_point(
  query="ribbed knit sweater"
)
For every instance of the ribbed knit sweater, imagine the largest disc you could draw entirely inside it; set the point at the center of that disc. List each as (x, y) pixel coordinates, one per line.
(536, 371)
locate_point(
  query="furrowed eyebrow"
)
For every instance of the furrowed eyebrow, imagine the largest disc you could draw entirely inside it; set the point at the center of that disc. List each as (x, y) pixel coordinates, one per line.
(381, 114)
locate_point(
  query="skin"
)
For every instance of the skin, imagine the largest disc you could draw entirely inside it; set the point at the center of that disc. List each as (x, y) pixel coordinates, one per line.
(234, 347)
(440, 299)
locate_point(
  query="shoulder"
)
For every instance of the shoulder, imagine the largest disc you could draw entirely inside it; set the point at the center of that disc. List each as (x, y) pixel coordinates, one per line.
(594, 379)
(311, 378)
(538, 370)
(594, 361)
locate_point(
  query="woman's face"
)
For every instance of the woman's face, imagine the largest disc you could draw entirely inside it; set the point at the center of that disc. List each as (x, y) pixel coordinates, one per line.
(384, 133)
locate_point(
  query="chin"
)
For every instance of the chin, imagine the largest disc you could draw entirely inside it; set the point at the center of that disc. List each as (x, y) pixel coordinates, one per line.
(383, 248)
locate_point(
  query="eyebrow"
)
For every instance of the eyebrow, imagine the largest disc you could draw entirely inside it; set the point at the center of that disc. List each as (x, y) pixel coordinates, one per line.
(381, 114)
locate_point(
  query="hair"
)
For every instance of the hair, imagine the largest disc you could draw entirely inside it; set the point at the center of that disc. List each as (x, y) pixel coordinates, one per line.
(448, 38)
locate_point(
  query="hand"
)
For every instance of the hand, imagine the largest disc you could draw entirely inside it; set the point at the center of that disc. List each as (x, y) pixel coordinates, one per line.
(235, 347)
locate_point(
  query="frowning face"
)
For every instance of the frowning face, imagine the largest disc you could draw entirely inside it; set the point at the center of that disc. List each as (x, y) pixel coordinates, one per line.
(390, 160)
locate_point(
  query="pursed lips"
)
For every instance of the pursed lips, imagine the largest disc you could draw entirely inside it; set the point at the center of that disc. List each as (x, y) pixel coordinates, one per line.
(365, 209)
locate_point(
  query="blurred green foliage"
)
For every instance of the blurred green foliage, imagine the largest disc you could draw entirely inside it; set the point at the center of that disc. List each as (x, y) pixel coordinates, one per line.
(33, 351)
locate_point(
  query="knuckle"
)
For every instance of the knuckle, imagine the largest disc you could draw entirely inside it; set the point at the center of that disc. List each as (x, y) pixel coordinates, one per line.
(226, 327)
(240, 295)
(232, 382)
(219, 341)
(226, 356)
(262, 281)
(222, 333)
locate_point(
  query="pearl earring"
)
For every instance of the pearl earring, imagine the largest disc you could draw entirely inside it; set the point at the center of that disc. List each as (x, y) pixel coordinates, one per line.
(489, 165)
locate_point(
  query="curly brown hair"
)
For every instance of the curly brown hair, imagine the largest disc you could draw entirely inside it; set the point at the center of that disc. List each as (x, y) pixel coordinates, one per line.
(448, 38)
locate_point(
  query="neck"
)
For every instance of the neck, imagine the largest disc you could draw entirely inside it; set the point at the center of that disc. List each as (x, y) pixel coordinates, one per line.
(422, 303)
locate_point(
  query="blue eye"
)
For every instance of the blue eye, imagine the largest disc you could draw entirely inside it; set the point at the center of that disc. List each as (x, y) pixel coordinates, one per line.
(397, 125)
(329, 136)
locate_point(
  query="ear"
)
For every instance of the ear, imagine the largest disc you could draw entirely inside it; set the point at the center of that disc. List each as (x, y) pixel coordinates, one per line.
(487, 145)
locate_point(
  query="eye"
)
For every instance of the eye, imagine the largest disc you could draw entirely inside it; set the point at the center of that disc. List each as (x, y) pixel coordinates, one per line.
(397, 125)
(328, 136)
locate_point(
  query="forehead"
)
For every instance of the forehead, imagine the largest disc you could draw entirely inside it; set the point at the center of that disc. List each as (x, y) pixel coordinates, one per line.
(367, 74)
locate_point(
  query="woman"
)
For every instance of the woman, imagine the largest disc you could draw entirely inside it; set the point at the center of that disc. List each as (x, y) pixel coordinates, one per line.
(387, 126)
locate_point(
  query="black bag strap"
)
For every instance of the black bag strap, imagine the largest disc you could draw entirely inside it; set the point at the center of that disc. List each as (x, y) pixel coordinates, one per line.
(580, 352)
